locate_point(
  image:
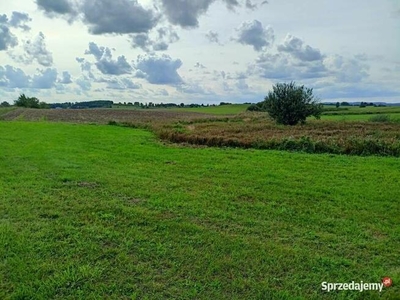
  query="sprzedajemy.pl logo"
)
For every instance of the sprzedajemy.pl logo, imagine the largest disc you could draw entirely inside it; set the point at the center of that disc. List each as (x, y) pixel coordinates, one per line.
(356, 286)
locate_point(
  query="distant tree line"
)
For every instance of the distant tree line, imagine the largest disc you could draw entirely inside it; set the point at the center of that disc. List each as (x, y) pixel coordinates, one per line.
(148, 105)
(365, 104)
(85, 104)
(30, 102)
(362, 104)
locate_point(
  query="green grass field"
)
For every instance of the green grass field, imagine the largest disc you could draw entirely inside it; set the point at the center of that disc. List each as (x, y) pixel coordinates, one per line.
(106, 212)
(363, 110)
(358, 117)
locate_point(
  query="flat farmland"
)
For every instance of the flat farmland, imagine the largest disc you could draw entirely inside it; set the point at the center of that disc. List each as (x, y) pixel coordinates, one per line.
(99, 116)
(244, 130)
(109, 212)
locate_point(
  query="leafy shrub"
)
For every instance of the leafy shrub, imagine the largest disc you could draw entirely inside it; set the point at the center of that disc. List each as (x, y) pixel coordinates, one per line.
(289, 104)
(30, 102)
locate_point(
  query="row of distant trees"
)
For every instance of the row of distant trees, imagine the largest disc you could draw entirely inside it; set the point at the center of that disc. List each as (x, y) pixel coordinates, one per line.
(33, 102)
(362, 104)
(85, 104)
(166, 105)
(28, 102)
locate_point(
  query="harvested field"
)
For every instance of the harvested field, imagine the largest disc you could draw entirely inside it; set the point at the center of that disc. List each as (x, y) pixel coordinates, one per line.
(257, 131)
(100, 116)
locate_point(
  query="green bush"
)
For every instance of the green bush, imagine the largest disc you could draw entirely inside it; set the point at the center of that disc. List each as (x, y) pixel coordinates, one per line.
(289, 104)
(30, 102)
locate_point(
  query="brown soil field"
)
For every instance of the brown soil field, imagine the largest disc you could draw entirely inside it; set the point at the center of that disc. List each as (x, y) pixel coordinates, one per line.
(100, 116)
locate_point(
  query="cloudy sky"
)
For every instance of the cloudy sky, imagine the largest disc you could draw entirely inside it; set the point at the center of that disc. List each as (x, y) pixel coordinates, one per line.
(198, 51)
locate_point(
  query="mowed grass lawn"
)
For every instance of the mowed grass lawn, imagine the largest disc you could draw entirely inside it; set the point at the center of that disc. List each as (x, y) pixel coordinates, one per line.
(106, 212)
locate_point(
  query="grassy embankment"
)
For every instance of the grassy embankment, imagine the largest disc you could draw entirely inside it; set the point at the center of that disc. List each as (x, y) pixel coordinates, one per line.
(89, 212)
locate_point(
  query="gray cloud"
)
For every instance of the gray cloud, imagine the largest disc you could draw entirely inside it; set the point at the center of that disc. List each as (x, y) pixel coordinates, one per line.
(282, 66)
(13, 77)
(295, 47)
(238, 75)
(165, 36)
(36, 50)
(114, 67)
(103, 16)
(7, 39)
(158, 70)
(334, 68)
(250, 5)
(345, 69)
(129, 84)
(254, 34)
(199, 65)
(160, 46)
(226, 87)
(85, 66)
(84, 83)
(231, 4)
(168, 34)
(105, 64)
(66, 78)
(193, 88)
(57, 8)
(121, 84)
(186, 13)
(19, 20)
(242, 85)
(213, 37)
(97, 51)
(45, 79)
(141, 40)
(129, 16)
(118, 16)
